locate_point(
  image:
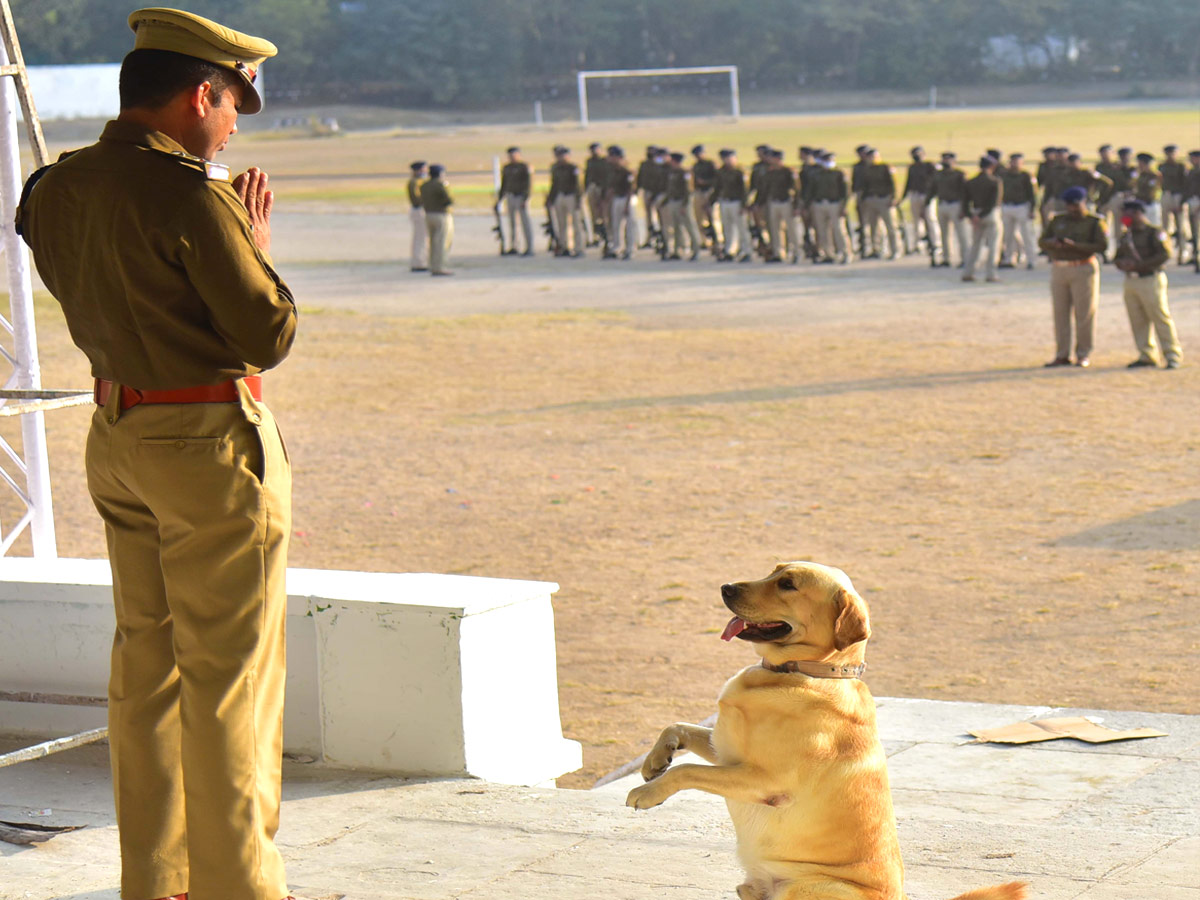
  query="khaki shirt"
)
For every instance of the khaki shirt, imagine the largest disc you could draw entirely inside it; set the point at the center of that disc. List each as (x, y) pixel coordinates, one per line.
(985, 193)
(1118, 175)
(677, 185)
(1146, 187)
(828, 186)
(434, 196)
(1018, 186)
(1173, 175)
(1191, 187)
(652, 177)
(620, 179)
(1146, 247)
(564, 179)
(152, 256)
(704, 173)
(778, 185)
(596, 172)
(1087, 231)
(414, 192)
(757, 172)
(920, 179)
(877, 181)
(730, 184)
(1050, 177)
(1097, 184)
(515, 179)
(950, 185)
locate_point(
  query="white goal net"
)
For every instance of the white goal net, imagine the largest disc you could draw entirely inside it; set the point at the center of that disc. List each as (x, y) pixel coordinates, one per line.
(633, 93)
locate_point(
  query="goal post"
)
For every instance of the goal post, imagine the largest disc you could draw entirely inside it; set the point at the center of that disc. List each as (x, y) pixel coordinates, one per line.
(735, 99)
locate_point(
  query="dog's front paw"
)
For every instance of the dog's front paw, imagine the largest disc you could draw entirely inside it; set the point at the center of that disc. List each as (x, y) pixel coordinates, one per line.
(659, 758)
(646, 796)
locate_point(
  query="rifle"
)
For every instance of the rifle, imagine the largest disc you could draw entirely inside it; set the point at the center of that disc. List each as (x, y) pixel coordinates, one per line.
(908, 248)
(553, 244)
(499, 232)
(756, 237)
(1196, 247)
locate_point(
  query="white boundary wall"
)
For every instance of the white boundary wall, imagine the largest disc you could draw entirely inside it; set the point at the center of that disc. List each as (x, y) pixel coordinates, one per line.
(76, 92)
(414, 674)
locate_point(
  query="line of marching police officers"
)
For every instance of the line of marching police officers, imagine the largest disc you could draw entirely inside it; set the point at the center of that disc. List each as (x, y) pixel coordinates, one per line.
(783, 214)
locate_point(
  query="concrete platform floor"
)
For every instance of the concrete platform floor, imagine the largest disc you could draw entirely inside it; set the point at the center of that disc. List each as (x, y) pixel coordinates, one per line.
(1108, 822)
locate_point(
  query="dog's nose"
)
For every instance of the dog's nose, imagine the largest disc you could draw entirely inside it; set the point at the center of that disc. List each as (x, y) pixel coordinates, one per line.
(728, 591)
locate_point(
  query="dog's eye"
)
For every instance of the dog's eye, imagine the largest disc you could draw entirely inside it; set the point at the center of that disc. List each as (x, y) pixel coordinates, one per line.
(786, 584)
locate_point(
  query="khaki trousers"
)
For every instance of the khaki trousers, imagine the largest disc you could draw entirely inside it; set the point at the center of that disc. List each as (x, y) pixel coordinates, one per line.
(733, 222)
(781, 221)
(832, 239)
(624, 222)
(196, 502)
(1175, 220)
(1146, 303)
(948, 216)
(595, 202)
(1111, 211)
(702, 209)
(420, 239)
(922, 212)
(1017, 219)
(441, 237)
(1075, 293)
(678, 216)
(877, 210)
(568, 216)
(516, 206)
(1193, 207)
(984, 238)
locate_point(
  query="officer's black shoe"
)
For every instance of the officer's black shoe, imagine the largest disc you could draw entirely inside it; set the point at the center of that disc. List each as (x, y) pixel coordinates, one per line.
(745, 257)
(609, 256)
(419, 269)
(625, 255)
(773, 259)
(512, 252)
(1173, 364)
(1005, 265)
(1140, 363)
(526, 253)
(674, 256)
(1056, 362)
(1083, 362)
(695, 256)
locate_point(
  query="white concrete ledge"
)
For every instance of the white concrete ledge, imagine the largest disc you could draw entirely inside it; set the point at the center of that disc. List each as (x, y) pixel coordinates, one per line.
(414, 674)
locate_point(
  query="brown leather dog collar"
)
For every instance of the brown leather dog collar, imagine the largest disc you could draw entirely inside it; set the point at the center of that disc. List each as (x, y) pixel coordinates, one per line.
(817, 669)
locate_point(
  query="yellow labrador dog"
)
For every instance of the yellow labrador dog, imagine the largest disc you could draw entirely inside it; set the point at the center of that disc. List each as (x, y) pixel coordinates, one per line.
(796, 751)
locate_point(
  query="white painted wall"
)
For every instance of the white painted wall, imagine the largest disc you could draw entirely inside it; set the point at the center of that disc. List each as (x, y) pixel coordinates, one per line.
(76, 92)
(417, 674)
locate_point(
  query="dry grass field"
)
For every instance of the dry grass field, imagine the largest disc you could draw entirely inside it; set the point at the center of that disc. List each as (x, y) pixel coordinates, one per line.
(641, 433)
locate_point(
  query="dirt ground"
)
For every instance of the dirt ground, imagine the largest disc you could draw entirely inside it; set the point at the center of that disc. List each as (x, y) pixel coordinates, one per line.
(642, 432)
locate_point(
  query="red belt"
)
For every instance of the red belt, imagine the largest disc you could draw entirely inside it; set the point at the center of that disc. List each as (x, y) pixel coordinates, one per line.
(225, 392)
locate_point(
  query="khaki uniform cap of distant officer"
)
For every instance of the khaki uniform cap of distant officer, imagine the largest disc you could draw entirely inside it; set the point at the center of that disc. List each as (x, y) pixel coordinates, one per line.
(158, 28)
(163, 274)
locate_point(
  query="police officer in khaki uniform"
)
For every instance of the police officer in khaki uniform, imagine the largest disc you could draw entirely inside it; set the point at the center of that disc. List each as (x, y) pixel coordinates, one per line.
(1147, 187)
(416, 218)
(1073, 241)
(779, 194)
(677, 211)
(623, 211)
(1017, 212)
(595, 182)
(828, 195)
(918, 189)
(1111, 199)
(563, 200)
(704, 174)
(1174, 217)
(729, 193)
(1191, 194)
(162, 267)
(1141, 255)
(516, 181)
(877, 199)
(985, 194)
(439, 223)
(949, 187)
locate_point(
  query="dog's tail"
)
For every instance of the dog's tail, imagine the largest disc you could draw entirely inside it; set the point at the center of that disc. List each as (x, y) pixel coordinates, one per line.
(1014, 890)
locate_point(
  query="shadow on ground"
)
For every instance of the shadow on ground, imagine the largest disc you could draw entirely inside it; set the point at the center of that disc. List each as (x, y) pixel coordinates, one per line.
(1170, 528)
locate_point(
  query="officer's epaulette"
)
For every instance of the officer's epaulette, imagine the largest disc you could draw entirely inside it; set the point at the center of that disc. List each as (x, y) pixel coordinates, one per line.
(32, 182)
(211, 170)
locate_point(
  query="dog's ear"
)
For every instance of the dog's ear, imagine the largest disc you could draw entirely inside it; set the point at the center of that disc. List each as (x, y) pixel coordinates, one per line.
(852, 623)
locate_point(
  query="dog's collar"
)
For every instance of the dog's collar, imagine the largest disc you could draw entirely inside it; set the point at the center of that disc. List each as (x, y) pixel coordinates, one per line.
(817, 669)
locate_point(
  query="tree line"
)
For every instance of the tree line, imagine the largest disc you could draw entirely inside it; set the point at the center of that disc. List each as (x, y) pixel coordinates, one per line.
(469, 53)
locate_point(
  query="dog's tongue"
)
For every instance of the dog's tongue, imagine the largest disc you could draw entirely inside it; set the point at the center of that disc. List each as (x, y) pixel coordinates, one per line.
(735, 627)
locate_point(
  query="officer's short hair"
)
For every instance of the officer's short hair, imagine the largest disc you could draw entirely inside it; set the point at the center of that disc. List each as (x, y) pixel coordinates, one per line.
(1103, 147)
(150, 79)
(1145, 157)
(1170, 148)
(560, 150)
(762, 148)
(804, 149)
(1046, 151)
(949, 154)
(418, 165)
(435, 170)
(676, 157)
(994, 153)
(915, 150)
(1074, 157)
(511, 150)
(697, 150)
(987, 162)
(614, 150)
(862, 148)
(593, 146)
(1017, 155)
(1133, 204)
(1124, 151)
(1194, 153)
(726, 153)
